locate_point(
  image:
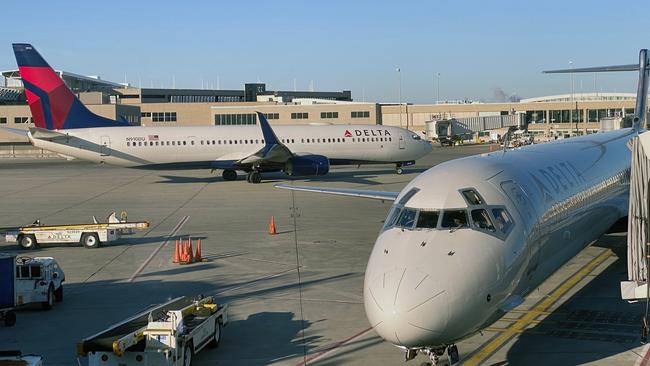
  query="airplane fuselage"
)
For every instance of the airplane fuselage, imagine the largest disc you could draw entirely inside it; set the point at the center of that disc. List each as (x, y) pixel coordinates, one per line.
(430, 287)
(197, 146)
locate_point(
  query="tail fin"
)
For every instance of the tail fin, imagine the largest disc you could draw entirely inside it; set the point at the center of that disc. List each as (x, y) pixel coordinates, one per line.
(642, 87)
(53, 105)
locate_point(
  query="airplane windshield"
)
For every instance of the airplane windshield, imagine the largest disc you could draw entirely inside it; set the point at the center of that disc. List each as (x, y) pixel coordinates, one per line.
(479, 216)
(454, 219)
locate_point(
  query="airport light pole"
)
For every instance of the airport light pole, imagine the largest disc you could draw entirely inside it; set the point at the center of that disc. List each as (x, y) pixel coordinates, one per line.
(399, 93)
(571, 77)
(438, 88)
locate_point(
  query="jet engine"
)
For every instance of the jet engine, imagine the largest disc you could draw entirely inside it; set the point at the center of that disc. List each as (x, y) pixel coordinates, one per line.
(306, 165)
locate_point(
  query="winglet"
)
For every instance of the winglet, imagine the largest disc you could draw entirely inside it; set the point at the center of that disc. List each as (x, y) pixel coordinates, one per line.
(269, 136)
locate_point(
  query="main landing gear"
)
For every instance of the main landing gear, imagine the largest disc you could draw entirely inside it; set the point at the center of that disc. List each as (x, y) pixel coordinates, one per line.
(229, 174)
(398, 168)
(254, 177)
(435, 354)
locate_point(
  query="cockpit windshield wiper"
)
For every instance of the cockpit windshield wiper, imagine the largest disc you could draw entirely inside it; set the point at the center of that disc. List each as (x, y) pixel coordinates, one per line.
(454, 229)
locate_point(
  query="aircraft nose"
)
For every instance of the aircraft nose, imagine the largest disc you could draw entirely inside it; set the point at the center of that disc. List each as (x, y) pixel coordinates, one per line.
(407, 307)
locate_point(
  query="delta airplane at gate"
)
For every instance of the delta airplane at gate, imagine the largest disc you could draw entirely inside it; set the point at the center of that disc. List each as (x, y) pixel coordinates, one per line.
(65, 126)
(466, 240)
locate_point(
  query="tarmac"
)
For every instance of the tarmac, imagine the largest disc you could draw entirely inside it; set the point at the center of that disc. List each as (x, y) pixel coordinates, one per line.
(575, 317)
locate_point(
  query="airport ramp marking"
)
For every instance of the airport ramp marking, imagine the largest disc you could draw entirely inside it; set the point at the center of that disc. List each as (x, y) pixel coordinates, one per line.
(644, 357)
(520, 325)
(317, 356)
(144, 264)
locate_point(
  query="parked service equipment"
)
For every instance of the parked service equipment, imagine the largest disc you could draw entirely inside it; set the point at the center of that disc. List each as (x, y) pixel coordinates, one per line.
(88, 235)
(165, 335)
(16, 358)
(7, 289)
(38, 280)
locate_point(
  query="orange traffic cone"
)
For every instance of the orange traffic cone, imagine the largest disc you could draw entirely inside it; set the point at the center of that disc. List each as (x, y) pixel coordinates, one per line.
(190, 255)
(176, 257)
(490, 147)
(184, 256)
(197, 257)
(272, 229)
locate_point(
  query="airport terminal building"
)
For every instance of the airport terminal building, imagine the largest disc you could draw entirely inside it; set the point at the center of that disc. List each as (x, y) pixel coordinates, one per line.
(570, 114)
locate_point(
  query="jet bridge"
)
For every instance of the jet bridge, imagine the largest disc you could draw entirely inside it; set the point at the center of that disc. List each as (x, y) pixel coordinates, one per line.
(638, 238)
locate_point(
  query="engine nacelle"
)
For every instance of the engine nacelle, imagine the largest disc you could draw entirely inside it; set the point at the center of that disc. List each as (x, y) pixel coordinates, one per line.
(306, 165)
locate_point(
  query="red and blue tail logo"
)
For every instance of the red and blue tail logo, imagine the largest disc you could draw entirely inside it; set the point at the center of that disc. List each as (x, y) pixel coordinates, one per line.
(53, 105)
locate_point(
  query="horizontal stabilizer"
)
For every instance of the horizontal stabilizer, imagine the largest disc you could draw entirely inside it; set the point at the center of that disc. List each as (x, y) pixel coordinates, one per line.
(630, 67)
(17, 131)
(42, 133)
(360, 193)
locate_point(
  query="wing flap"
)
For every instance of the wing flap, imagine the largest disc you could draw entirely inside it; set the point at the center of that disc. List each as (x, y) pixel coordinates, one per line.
(359, 193)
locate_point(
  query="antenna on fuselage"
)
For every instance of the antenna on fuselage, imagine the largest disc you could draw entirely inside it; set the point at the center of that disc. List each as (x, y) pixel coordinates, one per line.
(643, 67)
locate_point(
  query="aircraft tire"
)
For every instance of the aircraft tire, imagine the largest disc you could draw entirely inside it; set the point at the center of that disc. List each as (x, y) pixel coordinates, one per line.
(254, 177)
(229, 175)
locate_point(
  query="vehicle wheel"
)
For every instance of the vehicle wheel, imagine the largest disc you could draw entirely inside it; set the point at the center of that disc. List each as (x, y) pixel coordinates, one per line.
(10, 318)
(27, 241)
(399, 170)
(90, 240)
(47, 304)
(58, 294)
(216, 337)
(229, 175)
(188, 352)
(255, 177)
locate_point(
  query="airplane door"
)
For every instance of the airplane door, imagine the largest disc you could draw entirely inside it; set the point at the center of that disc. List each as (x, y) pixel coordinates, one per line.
(105, 147)
(402, 142)
(518, 196)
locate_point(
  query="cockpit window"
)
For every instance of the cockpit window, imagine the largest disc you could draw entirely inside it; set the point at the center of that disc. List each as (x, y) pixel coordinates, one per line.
(407, 218)
(481, 220)
(472, 197)
(428, 220)
(502, 220)
(454, 219)
(408, 196)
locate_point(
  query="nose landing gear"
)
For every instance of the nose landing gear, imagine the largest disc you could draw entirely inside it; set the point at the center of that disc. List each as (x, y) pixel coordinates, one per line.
(435, 354)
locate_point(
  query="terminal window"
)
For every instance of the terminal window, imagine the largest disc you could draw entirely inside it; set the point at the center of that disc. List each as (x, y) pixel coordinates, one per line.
(3, 120)
(235, 119)
(360, 114)
(163, 116)
(300, 115)
(22, 120)
(329, 114)
(272, 115)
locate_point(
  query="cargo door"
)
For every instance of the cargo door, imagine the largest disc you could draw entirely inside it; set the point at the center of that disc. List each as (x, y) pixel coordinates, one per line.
(105, 148)
(402, 141)
(7, 282)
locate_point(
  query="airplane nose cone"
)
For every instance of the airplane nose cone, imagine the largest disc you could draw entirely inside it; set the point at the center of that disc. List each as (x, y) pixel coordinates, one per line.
(407, 307)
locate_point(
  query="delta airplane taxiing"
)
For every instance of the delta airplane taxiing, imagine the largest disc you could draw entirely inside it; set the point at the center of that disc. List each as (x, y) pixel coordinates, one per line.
(466, 240)
(65, 126)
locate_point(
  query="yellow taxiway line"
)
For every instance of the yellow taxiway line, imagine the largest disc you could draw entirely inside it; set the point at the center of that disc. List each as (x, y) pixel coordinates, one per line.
(542, 307)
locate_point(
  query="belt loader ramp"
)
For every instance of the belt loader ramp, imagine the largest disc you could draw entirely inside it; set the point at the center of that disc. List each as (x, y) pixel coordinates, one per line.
(169, 334)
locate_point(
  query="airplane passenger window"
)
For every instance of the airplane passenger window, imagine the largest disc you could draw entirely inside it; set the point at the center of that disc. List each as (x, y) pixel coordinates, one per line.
(150, 143)
(173, 142)
(139, 143)
(343, 139)
(128, 143)
(407, 218)
(192, 142)
(428, 220)
(472, 197)
(292, 141)
(452, 219)
(481, 220)
(156, 143)
(503, 220)
(184, 142)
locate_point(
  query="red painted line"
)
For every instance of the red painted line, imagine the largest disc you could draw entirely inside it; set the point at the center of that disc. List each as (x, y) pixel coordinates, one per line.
(332, 348)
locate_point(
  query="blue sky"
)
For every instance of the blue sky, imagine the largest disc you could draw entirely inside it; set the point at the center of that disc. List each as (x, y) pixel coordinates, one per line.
(476, 46)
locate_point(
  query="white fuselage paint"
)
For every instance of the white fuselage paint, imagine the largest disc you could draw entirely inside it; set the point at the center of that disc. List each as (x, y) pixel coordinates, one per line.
(430, 287)
(142, 146)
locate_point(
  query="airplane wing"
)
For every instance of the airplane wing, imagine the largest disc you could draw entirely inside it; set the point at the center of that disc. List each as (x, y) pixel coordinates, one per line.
(17, 131)
(361, 193)
(43, 133)
(273, 152)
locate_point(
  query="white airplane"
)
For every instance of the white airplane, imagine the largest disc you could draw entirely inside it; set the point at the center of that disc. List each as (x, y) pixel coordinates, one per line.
(64, 125)
(467, 240)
